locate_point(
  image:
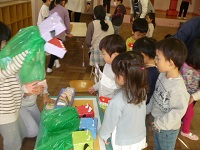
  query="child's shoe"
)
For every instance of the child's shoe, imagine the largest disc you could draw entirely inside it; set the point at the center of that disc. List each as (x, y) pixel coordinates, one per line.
(179, 18)
(184, 18)
(57, 63)
(49, 70)
(190, 136)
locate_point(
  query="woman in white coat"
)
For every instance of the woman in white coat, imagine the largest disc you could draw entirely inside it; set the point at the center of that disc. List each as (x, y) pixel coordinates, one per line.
(78, 7)
(144, 6)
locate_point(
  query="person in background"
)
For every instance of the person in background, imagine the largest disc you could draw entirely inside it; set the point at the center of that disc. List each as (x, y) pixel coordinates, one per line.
(184, 7)
(190, 72)
(111, 46)
(128, 102)
(44, 11)
(78, 7)
(189, 31)
(58, 6)
(30, 112)
(139, 29)
(12, 127)
(145, 7)
(150, 17)
(97, 30)
(118, 16)
(106, 4)
(170, 99)
(136, 12)
(147, 47)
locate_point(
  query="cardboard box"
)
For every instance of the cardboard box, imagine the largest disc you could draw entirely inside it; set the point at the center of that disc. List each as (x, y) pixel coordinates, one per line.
(89, 124)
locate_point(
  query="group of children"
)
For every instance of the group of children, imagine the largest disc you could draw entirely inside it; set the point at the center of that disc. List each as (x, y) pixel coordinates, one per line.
(144, 80)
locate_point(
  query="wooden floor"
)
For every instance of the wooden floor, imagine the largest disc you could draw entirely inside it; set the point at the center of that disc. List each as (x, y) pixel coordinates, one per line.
(71, 68)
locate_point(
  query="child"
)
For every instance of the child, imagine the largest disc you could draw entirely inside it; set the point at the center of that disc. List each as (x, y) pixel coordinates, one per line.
(118, 16)
(170, 99)
(147, 47)
(44, 11)
(184, 7)
(12, 127)
(151, 24)
(191, 74)
(124, 119)
(139, 29)
(58, 6)
(111, 46)
(30, 112)
(97, 30)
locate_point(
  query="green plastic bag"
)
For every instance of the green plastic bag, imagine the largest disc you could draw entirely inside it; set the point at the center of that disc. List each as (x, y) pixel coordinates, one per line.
(33, 67)
(65, 118)
(58, 141)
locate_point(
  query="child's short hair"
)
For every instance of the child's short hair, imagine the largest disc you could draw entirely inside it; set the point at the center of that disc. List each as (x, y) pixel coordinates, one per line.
(146, 45)
(5, 33)
(140, 24)
(193, 58)
(131, 66)
(44, 1)
(113, 43)
(173, 49)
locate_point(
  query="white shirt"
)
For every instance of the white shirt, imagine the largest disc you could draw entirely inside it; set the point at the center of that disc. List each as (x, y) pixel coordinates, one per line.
(150, 30)
(77, 5)
(44, 13)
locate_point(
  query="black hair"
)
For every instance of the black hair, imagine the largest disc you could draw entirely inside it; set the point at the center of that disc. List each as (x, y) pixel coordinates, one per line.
(54, 2)
(147, 46)
(152, 16)
(193, 58)
(44, 1)
(5, 32)
(140, 24)
(100, 14)
(173, 49)
(167, 36)
(130, 65)
(113, 43)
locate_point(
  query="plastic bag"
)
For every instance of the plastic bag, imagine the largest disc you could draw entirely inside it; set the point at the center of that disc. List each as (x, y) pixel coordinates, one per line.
(59, 119)
(58, 141)
(33, 67)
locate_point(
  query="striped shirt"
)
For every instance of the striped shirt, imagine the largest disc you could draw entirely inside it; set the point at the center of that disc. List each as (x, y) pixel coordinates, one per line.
(10, 90)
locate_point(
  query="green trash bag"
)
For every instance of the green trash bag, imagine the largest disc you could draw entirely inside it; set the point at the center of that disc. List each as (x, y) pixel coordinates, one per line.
(57, 141)
(64, 118)
(33, 67)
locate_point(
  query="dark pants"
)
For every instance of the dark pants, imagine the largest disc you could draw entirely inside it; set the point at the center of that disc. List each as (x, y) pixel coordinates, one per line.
(184, 6)
(52, 60)
(107, 3)
(77, 16)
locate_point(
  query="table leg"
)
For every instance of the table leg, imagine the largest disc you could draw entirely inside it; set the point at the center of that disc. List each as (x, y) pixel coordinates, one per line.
(83, 63)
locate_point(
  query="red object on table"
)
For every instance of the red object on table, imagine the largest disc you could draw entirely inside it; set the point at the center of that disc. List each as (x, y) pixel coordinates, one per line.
(85, 111)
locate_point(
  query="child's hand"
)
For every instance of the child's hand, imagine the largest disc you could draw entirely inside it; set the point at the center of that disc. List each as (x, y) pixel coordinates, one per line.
(88, 7)
(47, 99)
(69, 35)
(33, 88)
(91, 90)
(191, 100)
(106, 142)
(154, 126)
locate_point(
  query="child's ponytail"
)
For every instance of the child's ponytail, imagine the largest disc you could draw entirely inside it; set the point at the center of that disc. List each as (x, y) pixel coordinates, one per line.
(100, 14)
